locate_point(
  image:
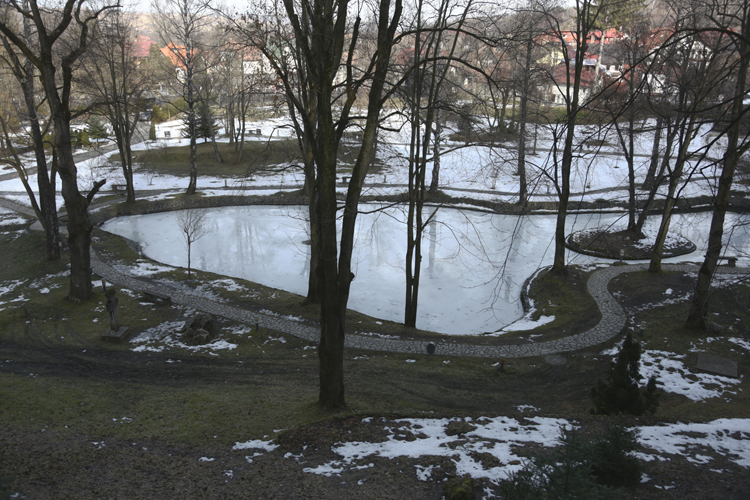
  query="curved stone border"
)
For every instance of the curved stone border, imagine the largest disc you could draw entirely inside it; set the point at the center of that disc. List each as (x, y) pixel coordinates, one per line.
(575, 246)
(611, 324)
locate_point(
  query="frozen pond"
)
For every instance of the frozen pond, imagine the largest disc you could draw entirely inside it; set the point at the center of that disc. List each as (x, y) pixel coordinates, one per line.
(473, 264)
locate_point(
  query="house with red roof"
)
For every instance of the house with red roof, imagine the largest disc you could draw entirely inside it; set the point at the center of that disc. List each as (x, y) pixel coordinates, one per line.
(142, 47)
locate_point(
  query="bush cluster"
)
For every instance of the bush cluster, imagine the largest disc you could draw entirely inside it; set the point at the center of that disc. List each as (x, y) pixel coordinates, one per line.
(579, 468)
(459, 488)
(621, 392)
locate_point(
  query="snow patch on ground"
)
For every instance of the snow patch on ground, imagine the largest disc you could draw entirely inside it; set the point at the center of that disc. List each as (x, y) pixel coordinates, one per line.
(501, 436)
(495, 436)
(7, 287)
(525, 324)
(164, 336)
(745, 344)
(729, 437)
(673, 376)
(144, 268)
(287, 317)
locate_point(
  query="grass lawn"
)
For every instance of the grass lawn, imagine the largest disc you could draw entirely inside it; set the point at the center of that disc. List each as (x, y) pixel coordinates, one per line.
(86, 418)
(259, 158)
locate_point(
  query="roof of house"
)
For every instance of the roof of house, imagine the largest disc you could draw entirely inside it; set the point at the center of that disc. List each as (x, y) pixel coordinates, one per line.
(176, 54)
(142, 46)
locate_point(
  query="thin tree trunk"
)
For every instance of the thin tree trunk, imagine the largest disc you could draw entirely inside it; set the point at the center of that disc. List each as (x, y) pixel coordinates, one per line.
(626, 143)
(193, 183)
(558, 264)
(522, 188)
(47, 198)
(435, 179)
(651, 174)
(669, 203)
(659, 179)
(309, 188)
(216, 148)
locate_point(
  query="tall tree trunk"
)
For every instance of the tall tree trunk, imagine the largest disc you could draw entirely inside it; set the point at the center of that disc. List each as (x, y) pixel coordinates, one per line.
(79, 225)
(697, 316)
(217, 154)
(333, 282)
(122, 138)
(312, 202)
(428, 80)
(658, 179)
(626, 143)
(526, 87)
(47, 198)
(558, 264)
(192, 125)
(336, 286)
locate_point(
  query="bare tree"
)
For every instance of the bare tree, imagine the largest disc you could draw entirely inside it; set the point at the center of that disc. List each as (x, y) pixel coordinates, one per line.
(327, 39)
(192, 224)
(236, 87)
(55, 62)
(434, 46)
(730, 21)
(529, 27)
(271, 37)
(181, 24)
(693, 81)
(586, 13)
(116, 83)
(22, 69)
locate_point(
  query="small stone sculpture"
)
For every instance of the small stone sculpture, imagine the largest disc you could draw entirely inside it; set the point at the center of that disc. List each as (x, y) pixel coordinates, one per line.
(115, 332)
(112, 303)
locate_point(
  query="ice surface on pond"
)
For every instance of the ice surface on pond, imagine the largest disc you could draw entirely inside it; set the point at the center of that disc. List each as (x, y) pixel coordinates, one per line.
(473, 263)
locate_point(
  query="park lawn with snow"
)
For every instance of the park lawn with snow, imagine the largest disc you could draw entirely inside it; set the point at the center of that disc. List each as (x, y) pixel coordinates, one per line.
(232, 399)
(464, 171)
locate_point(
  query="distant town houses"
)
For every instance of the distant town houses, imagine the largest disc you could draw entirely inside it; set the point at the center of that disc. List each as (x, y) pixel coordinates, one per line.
(473, 65)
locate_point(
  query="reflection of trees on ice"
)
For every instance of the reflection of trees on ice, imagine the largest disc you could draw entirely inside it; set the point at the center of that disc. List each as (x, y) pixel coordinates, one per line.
(476, 262)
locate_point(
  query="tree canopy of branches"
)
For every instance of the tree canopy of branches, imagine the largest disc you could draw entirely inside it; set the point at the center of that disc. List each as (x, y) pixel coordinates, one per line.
(54, 52)
(587, 13)
(730, 22)
(434, 40)
(22, 69)
(181, 24)
(116, 84)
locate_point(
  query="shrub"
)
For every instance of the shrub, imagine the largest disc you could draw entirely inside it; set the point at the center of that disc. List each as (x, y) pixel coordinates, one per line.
(565, 473)
(621, 393)
(612, 462)
(96, 128)
(80, 138)
(459, 488)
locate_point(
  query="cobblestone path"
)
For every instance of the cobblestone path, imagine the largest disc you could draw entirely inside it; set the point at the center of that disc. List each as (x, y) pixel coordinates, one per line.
(611, 324)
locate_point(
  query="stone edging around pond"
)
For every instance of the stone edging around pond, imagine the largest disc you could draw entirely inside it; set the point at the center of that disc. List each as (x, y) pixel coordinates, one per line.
(631, 252)
(612, 322)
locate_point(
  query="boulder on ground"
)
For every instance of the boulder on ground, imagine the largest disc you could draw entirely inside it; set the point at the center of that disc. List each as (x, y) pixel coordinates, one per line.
(198, 330)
